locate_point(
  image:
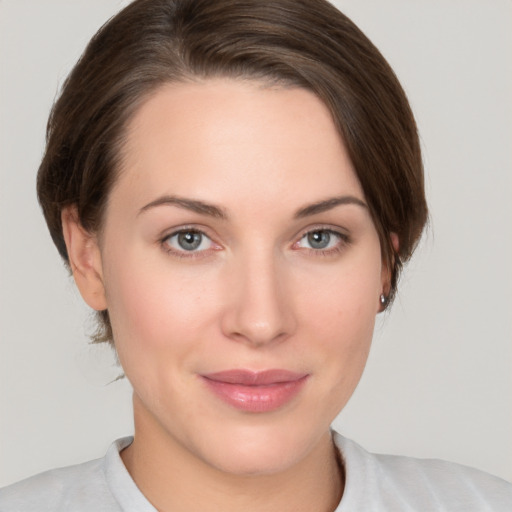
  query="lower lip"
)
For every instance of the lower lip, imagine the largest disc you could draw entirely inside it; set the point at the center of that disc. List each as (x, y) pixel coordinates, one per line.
(260, 398)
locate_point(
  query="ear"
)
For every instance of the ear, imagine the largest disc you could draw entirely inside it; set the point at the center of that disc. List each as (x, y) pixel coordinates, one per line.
(386, 271)
(84, 259)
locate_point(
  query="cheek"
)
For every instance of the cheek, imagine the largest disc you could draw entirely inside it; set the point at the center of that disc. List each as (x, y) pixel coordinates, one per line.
(343, 300)
(339, 315)
(154, 306)
(342, 326)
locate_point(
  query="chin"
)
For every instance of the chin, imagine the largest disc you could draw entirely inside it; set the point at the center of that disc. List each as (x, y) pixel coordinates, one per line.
(258, 450)
(256, 462)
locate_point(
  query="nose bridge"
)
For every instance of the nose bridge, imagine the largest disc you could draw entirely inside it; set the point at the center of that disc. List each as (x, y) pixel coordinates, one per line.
(260, 310)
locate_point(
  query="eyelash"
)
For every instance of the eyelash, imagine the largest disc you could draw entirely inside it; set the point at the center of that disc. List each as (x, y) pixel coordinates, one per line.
(182, 254)
(344, 241)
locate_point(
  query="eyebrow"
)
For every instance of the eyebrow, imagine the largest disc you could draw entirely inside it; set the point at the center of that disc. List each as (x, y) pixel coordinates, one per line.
(328, 204)
(211, 210)
(188, 204)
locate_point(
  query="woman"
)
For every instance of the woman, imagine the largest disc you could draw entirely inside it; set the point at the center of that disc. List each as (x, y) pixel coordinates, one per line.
(235, 187)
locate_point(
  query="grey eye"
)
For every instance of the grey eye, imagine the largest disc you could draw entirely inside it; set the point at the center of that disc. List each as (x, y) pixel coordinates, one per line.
(189, 240)
(319, 239)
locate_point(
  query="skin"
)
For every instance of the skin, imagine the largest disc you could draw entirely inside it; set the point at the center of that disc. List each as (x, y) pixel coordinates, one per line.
(255, 295)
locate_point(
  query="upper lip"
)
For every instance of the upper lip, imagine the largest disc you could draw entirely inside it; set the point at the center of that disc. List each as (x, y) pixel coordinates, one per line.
(255, 378)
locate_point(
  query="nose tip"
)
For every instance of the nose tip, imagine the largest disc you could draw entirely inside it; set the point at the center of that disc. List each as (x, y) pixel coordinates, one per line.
(261, 310)
(257, 333)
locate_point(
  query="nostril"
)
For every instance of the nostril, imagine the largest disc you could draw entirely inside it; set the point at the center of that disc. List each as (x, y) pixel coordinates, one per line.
(258, 335)
(258, 326)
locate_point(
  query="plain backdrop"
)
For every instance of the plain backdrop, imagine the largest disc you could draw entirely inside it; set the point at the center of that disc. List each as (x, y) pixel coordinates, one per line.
(439, 379)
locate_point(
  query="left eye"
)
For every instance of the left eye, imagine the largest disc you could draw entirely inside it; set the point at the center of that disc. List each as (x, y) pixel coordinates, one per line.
(320, 239)
(189, 241)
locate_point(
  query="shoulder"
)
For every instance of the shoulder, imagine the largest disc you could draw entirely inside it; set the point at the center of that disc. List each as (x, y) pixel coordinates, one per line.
(389, 482)
(82, 487)
(54, 490)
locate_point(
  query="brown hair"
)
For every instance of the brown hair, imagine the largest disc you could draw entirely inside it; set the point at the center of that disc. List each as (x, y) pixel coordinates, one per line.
(306, 43)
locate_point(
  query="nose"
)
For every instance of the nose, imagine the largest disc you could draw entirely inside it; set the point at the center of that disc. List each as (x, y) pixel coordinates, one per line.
(260, 306)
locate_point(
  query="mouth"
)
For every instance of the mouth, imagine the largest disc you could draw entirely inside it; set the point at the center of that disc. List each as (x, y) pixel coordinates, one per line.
(257, 392)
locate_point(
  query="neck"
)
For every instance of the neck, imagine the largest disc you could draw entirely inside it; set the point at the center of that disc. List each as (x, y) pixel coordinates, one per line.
(173, 478)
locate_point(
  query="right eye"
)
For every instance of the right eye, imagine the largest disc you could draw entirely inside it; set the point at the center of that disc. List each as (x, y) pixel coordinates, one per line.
(188, 241)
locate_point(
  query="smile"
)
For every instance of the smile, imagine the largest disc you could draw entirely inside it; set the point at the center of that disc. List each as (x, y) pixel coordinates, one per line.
(250, 391)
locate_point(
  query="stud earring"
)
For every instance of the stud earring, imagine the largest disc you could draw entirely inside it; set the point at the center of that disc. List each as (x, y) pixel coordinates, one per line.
(383, 299)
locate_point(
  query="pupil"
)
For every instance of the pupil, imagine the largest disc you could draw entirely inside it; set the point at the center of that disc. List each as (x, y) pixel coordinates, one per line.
(189, 240)
(319, 239)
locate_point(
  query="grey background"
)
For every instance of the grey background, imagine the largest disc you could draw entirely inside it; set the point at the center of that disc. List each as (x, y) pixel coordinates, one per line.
(439, 379)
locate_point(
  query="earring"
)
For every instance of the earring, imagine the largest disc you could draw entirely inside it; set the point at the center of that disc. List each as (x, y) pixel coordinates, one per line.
(383, 299)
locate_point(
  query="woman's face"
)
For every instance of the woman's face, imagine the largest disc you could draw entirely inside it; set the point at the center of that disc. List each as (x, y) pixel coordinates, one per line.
(242, 272)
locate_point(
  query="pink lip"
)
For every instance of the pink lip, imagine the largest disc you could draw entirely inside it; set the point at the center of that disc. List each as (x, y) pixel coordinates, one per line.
(251, 391)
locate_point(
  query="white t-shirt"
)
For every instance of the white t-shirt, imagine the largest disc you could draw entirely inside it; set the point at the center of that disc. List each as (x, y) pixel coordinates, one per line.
(373, 483)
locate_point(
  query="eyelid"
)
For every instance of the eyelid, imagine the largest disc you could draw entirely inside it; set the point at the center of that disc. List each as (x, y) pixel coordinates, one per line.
(345, 239)
(183, 253)
(175, 230)
(337, 230)
(343, 235)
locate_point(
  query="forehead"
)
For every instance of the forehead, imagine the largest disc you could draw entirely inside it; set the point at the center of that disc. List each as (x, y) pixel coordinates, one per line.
(230, 137)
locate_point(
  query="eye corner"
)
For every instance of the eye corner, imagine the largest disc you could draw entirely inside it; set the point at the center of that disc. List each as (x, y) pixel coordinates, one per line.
(331, 241)
(188, 242)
